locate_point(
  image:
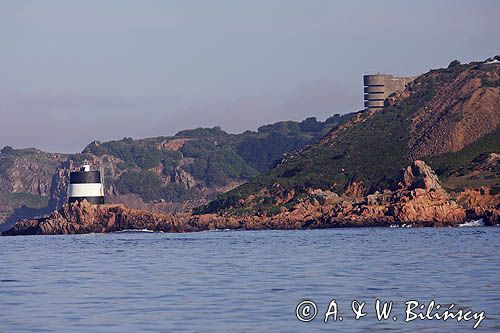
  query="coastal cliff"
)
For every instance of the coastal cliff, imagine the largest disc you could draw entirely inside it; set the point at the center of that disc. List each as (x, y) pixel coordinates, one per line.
(431, 157)
(419, 201)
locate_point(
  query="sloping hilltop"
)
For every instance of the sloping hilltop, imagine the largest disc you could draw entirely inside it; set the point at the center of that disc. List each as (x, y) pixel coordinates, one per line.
(446, 119)
(165, 174)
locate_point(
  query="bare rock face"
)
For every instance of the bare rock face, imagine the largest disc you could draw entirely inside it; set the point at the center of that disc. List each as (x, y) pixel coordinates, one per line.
(60, 184)
(182, 177)
(423, 206)
(397, 96)
(422, 198)
(420, 201)
(173, 144)
(461, 112)
(30, 173)
(420, 175)
(481, 204)
(355, 190)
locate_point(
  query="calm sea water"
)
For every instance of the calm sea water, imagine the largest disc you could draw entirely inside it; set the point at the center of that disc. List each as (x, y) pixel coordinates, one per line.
(245, 281)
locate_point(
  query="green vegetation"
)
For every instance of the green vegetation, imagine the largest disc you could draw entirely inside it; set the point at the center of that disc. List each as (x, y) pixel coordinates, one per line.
(8, 150)
(470, 167)
(144, 183)
(6, 162)
(372, 152)
(141, 154)
(467, 159)
(149, 187)
(178, 193)
(214, 163)
(80, 158)
(212, 156)
(215, 133)
(262, 150)
(491, 83)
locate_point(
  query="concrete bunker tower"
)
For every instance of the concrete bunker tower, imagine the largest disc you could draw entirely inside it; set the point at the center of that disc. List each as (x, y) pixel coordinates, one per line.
(379, 86)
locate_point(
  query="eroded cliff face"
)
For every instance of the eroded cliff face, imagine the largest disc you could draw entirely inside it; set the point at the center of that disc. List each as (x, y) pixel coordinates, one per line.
(26, 178)
(420, 200)
(461, 112)
(29, 171)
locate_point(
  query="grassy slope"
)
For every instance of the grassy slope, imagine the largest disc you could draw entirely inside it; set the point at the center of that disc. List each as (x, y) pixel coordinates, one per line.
(464, 168)
(373, 151)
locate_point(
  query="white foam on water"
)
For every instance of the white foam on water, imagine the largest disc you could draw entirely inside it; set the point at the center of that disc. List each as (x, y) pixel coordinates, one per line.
(134, 230)
(477, 223)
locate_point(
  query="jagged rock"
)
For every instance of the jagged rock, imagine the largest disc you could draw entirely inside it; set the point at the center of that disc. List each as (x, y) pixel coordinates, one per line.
(179, 176)
(83, 217)
(420, 175)
(481, 204)
(420, 201)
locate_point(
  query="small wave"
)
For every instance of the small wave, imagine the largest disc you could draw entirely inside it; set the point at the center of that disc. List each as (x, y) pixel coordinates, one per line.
(404, 225)
(477, 223)
(134, 230)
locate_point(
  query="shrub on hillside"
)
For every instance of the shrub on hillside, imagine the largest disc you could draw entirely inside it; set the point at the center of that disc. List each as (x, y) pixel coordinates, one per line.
(144, 183)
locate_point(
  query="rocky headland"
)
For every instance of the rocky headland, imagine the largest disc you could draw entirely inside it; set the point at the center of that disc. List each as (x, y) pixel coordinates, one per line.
(430, 157)
(419, 201)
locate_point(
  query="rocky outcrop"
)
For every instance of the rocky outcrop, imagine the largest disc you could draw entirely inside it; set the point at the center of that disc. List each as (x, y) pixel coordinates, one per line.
(481, 204)
(173, 144)
(182, 177)
(419, 201)
(78, 218)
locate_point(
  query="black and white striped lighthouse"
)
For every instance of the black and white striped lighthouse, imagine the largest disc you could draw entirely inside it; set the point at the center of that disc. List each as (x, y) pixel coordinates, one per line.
(86, 184)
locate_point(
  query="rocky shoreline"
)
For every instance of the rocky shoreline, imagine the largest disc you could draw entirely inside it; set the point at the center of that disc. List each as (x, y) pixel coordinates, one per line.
(419, 201)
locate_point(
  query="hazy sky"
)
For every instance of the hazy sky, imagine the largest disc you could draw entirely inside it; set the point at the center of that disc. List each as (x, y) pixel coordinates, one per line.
(75, 71)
